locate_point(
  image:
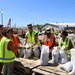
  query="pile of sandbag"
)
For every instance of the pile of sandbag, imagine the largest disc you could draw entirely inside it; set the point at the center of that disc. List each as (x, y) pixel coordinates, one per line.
(59, 56)
(70, 66)
(28, 52)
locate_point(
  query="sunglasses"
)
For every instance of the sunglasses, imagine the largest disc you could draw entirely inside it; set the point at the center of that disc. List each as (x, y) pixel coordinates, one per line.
(30, 28)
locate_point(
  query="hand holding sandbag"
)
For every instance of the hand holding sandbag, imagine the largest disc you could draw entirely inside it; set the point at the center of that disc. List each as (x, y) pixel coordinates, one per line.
(30, 47)
(22, 47)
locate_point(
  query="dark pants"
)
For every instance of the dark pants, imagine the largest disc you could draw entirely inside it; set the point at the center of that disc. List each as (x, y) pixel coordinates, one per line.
(50, 56)
(1, 66)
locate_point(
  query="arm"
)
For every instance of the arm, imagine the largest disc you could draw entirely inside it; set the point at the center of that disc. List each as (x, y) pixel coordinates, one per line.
(19, 40)
(35, 40)
(25, 41)
(12, 47)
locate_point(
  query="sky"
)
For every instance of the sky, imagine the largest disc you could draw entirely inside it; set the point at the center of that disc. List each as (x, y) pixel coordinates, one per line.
(23, 12)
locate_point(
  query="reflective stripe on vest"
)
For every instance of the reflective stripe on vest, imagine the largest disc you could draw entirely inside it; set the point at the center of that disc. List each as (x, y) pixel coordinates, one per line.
(66, 44)
(5, 54)
(59, 41)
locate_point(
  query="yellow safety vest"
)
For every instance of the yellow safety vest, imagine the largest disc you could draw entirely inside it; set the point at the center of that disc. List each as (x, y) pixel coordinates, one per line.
(66, 44)
(6, 55)
(31, 38)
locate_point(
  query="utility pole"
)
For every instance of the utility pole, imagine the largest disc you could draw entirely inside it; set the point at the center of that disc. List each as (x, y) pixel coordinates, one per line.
(1, 11)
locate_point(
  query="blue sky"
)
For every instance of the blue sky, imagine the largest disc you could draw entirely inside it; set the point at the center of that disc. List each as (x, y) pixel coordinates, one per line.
(23, 12)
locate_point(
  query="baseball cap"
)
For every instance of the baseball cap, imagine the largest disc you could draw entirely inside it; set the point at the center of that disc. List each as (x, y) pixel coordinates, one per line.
(48, 30)
(29, 25)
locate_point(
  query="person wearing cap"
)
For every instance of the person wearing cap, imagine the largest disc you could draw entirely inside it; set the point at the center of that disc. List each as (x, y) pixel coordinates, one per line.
(49, 40)
(32, 38)
(9, 52)
(1, 36)
(64, 43)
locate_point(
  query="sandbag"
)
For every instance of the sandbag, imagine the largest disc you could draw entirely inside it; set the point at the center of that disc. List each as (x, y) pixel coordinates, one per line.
(21, 51)
(55, 55)
(44, 55)
(63, 56)
(73, 70)
(72, 54)
(73, 62)
(28, 52)
(36, 52)
(67, 66)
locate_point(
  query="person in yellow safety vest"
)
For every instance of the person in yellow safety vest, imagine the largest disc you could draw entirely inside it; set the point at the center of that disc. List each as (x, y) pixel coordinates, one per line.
(66, 43)
(7, 52)
(32, 38)
(1, 30)
(56, 32)
(52, 31)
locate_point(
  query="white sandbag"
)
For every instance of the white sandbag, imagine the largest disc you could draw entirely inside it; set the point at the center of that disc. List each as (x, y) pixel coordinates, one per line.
(21, 51)
(44, 55)
(54, 50)
(55, 55)
(36, 52)
(73, 61)
(63, 56)
(73, 70)
(67, 66)
(72, 50)
(28, 52)
(72, 54)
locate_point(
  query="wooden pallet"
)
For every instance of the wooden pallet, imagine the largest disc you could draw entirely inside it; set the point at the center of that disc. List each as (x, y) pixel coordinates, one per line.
(51, 69)
(33, 67)
(25, 66)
